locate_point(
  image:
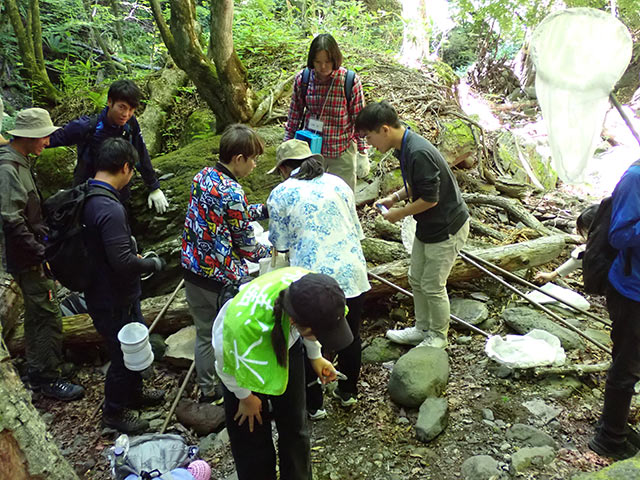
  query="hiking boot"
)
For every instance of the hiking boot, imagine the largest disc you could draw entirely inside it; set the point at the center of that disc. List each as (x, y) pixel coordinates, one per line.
(346, 399)
(407, 336)
(62, 390)
(125, 421)
(217, 398)
(318, 414)
(149, 398)
(617, 452)
(434, 340)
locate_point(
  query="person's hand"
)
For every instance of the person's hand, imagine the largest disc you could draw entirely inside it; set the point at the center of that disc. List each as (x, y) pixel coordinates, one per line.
(393, 215)
(158, 201)
(363, 166)
(249, 408)
(160, 263)
(324, 369)
(388, 202)
(544, 277)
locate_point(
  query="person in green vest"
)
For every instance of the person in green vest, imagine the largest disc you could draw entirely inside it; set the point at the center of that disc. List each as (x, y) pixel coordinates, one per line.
(258, 341)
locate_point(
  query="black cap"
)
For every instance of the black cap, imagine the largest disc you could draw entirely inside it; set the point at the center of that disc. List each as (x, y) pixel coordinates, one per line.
(317, 301)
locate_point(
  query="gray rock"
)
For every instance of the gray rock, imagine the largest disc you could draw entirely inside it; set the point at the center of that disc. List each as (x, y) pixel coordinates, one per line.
(471, 311)
(367, 192)
(422, 372)
(487, 414)
(464, 340)
(432, 418)
(180, 346)
(544, 413)
(207, 443)
(527, 457)
(528, 436)
(157, 346)
(499, 370)
(398, 315)
(524, 319)
(156, 424)
(480, 467)
(381, 350)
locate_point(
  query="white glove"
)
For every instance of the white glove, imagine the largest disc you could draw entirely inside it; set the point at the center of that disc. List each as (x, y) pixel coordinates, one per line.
(363, 167)
(158, 201)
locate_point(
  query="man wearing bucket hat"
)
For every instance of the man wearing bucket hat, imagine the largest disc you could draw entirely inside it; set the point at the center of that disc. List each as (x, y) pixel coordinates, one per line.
(24, 232)
(257, 338)
(313, 217)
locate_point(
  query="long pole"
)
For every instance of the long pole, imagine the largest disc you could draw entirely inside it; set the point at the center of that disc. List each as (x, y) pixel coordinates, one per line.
(178, 395)
(624, 116)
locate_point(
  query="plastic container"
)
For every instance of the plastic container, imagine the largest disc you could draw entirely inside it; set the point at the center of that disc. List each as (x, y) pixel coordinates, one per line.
(136, 349)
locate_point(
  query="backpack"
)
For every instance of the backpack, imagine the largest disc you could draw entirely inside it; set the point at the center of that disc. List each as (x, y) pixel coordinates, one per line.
(65, 249)
(348, 86)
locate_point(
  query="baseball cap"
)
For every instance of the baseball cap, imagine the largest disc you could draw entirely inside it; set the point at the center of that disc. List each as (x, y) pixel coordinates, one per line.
(293, 149)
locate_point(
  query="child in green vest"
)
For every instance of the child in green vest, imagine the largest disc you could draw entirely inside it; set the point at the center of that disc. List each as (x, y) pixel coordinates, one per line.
(257, 338)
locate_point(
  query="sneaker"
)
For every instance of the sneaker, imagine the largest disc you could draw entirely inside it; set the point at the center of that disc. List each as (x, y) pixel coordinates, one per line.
(318, 414)
(217, 398)
(62, 390)
(346, 399)
(617, 452)
(149, 398)
(126, 421)
(434, 340)
(407, 336)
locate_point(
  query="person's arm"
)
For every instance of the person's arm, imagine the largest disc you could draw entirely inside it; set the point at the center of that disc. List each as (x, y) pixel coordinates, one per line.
(355, 107)
(73, 133)
(257, 211)
(296, 109)
(278, 221)
(13, 200)
(238, 219)
(624, 229)
(144, 166)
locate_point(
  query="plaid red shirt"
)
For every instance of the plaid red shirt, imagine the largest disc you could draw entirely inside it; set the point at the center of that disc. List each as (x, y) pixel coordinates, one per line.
(338, 131)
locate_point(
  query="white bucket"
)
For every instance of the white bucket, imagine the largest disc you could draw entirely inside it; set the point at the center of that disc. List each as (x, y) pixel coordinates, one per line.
(136, 349)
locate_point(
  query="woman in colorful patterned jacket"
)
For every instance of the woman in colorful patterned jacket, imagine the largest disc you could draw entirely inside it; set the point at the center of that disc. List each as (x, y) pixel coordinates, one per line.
(322, 105)
(216, 240)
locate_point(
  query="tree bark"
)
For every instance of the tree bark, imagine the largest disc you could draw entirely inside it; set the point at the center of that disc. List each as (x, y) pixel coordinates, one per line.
(115, 11)
(510, 257)
(10, 306)
(26, 450)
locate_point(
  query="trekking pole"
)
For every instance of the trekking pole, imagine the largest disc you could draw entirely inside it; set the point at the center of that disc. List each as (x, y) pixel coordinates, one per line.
(517, 278)
(624, 116)
(536, 304)
(166, 306)
(178, 395)
(408, 293)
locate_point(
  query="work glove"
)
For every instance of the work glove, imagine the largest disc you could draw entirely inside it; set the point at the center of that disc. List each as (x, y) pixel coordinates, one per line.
(160, 264)
(158, 201)
(363, 167)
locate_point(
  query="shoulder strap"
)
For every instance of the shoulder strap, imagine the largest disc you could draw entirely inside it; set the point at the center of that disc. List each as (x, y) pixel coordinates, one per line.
(93, 122)
(98, 190)
(306, 73)
(348, 85)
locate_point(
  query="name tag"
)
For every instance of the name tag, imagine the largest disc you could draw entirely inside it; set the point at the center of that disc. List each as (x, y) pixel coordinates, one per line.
(315, 125)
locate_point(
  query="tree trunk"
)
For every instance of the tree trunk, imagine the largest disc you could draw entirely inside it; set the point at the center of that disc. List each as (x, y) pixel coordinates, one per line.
(10, 306)
(222, 83)
(112, 66)
(29, 38)
(115, 11)
(509, 257)
(26, 450)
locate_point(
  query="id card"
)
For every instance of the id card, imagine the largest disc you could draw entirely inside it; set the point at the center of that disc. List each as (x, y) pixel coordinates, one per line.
(315, 125)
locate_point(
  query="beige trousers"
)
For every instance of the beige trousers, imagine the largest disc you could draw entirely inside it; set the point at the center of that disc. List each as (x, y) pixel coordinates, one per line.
(344, 166)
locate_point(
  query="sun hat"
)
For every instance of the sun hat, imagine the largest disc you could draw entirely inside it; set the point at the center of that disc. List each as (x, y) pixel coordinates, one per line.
(33, 123)
(293, 149)
(317, 301)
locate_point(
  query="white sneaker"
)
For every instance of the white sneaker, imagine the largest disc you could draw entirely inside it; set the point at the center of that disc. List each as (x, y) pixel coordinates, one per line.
(407, 336)
(434, 340)
(318, 414)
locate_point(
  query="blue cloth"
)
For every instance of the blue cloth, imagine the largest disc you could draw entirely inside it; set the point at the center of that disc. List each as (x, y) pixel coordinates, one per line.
(624, 234)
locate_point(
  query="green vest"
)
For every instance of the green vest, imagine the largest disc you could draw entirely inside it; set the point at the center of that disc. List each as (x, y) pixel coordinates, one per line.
(248, 322)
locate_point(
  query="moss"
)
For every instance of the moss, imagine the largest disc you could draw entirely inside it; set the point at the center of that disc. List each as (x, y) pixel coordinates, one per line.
(392, 181)
(456, 142)
(623, 470)
(510, 162)
(54, 169)
(445, 73)
(200, 123)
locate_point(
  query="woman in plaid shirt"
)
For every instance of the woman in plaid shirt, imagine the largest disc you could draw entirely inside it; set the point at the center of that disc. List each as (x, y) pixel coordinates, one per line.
(325, 101)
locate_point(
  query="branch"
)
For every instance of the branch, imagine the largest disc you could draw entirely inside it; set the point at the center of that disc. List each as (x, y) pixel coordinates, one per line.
(267, 102)
(167, 36)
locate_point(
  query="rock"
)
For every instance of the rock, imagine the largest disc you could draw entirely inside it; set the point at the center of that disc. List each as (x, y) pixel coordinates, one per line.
(480, 467)
(54, 169)
(524, 319)
(156, 424)
(203, 418)
(528, 436)
(367, 192)
(379, 251)
(464, 340)
(457, 143)
(432, 418)
(471, 311)
(158, 346)
(487, 414)
(381, 350)
(422, 372)
(201, 122)
(622, 470)
(543, 412)
(207, 444)
(180, 346)
(531, 456)
(499, 370)
(387, 230)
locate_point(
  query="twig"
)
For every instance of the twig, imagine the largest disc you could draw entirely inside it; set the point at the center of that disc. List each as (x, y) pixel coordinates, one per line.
(572, 369)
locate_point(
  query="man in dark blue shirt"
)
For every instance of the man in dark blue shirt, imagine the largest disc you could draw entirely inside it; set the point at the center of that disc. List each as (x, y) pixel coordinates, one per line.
(117, 120)
(113, 295)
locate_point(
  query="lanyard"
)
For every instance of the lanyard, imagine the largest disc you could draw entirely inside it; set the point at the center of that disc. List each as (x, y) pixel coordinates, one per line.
(402, 156)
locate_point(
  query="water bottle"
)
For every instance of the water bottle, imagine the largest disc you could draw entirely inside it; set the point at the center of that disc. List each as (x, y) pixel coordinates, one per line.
(121, 449)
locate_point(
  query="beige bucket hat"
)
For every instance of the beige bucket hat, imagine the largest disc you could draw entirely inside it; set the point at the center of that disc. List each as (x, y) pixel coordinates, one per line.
(293, 149)
(33, 123)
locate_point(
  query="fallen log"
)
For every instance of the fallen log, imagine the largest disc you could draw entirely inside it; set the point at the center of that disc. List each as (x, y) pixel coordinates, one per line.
(79, 330)
(578, 370)
(10, 305)
(517, 256)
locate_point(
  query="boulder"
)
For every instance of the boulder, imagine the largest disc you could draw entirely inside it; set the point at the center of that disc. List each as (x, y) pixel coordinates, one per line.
(524, 319)
(432, 419)
(381, 350)
(421, 373)
(456, 143)
(528, 436)
(623, 470)
(471, 311)
(54, 169)
(527, 457)
(180, 346)
(203, 418)
(200, 123)
(480, 467)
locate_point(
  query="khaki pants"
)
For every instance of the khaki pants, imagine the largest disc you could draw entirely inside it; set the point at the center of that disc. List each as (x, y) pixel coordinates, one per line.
(431, 264)
(344, 166)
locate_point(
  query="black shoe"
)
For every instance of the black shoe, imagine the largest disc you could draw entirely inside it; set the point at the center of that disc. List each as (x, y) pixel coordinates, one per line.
(216, 399)
(633, 436)
(617, 452)
(125, 421)
(62, 390)
(149, 398)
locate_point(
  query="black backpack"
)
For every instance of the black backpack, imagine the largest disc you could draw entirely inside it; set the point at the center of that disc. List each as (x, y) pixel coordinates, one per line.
(65, 249)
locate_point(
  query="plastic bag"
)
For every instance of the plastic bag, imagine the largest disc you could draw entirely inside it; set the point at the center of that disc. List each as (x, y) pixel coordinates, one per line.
(569, 296)
(535, 349)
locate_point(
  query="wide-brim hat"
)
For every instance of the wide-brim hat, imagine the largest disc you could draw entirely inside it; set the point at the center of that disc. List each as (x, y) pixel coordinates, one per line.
(33, 123)
(317, 301)
(293, 149)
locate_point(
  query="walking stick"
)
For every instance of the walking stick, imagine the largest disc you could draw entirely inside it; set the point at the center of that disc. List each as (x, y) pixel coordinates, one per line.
(179, 394)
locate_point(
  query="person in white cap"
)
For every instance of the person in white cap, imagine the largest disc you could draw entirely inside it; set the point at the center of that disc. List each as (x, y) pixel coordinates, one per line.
(24, 232)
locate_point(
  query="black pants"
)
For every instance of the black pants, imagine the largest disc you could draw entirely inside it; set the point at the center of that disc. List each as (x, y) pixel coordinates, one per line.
(349, 359)
(253, 452)
(122, 386)
(625, 366)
